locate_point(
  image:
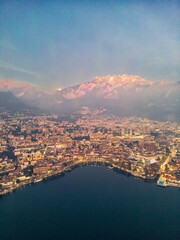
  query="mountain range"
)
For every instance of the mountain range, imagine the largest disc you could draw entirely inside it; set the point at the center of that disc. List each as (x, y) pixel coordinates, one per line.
(10, 103)
(123, 95)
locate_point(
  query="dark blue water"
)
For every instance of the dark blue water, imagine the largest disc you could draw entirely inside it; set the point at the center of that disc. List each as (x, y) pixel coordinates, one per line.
(91, 203)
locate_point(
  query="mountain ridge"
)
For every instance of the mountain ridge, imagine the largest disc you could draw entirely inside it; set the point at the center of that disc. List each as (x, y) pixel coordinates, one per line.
(108, 84)
(118, 94)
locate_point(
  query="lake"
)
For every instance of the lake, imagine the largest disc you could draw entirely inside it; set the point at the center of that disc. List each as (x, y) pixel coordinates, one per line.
(91, 203)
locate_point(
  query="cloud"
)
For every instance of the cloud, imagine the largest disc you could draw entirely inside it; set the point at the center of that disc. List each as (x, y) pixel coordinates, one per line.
(19, 69)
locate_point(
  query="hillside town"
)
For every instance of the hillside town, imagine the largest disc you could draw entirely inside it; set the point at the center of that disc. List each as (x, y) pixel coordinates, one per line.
(34, 148)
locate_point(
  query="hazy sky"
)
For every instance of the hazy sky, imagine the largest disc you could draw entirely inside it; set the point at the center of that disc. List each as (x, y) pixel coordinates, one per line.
(59, 43)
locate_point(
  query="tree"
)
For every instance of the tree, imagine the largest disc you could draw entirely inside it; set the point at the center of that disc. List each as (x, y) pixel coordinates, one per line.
(18, 181)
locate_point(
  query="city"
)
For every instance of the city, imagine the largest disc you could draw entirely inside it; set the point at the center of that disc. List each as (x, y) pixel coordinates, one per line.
(33, 148)
(89, 120)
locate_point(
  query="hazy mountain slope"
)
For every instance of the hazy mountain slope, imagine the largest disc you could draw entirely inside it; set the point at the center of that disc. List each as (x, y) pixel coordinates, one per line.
(9, 102)
(27, 93)
(125, 95)
(12, 104)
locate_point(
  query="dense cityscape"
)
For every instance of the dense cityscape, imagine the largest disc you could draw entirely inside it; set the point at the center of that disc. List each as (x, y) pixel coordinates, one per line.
(33, 148)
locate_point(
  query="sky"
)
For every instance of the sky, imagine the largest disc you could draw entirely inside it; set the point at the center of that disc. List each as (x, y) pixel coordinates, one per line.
(55, 44)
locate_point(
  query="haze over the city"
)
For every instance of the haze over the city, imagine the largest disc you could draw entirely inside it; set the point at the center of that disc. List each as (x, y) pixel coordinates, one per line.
(62, 43)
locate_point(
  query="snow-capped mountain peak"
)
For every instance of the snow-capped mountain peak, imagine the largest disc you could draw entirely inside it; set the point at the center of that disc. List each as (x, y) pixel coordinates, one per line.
(106, 86)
